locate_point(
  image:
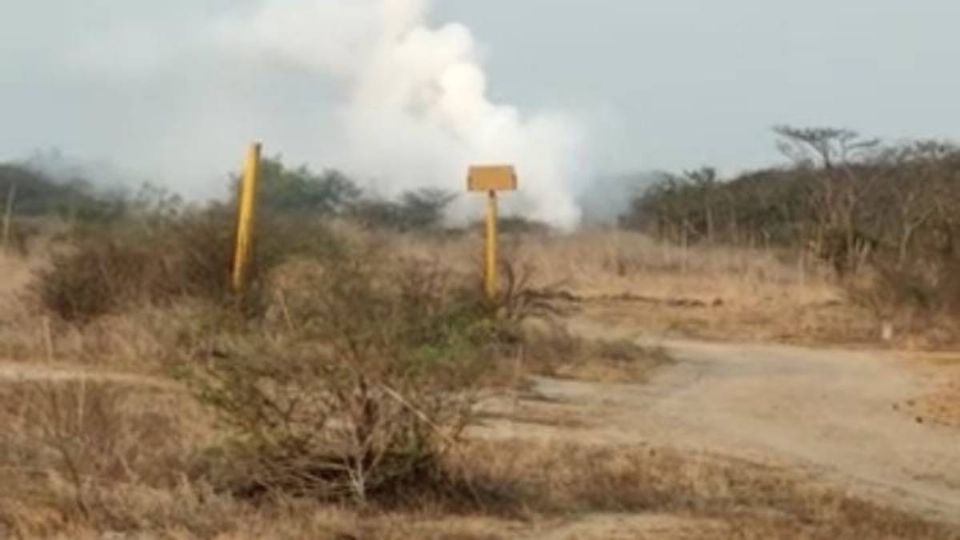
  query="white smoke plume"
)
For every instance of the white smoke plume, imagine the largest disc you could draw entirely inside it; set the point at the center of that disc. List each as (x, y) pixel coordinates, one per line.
(415, 109)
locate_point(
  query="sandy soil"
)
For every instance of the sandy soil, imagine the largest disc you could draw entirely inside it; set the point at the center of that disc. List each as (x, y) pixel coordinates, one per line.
(838, 416)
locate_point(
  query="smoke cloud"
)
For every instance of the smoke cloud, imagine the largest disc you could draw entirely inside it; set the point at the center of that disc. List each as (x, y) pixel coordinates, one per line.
(412, 99)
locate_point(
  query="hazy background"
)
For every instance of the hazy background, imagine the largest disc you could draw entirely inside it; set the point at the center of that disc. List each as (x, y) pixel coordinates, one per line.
(168, 92)
(682, 83)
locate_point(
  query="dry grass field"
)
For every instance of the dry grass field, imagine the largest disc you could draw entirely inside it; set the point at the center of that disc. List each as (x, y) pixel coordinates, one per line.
(81, 460)
(101, 439)
(718, 293)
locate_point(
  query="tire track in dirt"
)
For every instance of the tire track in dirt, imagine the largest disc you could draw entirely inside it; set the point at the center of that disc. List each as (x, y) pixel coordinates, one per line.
(21, 372)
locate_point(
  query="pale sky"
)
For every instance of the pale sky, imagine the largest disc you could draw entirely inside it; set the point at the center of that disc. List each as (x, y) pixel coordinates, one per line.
(687, 82)
(667, 84)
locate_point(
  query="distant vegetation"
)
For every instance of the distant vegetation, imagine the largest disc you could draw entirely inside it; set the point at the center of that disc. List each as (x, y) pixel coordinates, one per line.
(881, 216)
(39, 195)
(303, 193)
(291, 192)
(887, 211)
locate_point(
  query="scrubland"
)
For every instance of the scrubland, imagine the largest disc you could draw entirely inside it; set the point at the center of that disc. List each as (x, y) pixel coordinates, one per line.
(339, 397)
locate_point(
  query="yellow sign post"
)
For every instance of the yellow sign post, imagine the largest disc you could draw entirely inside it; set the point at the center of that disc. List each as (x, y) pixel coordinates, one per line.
(491, 179)
(246, 212)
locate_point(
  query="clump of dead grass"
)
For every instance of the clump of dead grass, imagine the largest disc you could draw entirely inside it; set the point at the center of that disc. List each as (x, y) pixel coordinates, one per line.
(752, 501)
(72, 448)
(556, 352)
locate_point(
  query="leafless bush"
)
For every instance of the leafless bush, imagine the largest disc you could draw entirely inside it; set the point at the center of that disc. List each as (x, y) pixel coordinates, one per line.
(366, 379)
(158, 259)
(109, 269)
(519, 300)
(67, 445)
(910, 300)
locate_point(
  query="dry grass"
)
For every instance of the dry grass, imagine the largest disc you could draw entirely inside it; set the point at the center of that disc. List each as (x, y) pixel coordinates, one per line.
(716, 293)
(620, 278)
(560, 354)
(748, 500)
(82, 461)
(941, 405)
(79, 461)
(610, 262)
(79, 453)
(19, 323)
(137, 341)
(722, 293)
(16, 272)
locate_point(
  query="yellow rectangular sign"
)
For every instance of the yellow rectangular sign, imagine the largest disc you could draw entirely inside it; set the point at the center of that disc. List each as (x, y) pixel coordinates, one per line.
(492, 178)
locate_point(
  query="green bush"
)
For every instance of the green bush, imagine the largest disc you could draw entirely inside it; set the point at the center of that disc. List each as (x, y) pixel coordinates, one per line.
(415, 211)
(75, 201)
(302, 192)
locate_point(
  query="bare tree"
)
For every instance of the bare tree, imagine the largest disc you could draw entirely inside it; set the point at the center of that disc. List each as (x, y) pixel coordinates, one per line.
(835, 156)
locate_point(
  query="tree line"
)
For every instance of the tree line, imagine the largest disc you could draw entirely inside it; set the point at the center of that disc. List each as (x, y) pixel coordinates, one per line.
(856, 203)
(293, 192)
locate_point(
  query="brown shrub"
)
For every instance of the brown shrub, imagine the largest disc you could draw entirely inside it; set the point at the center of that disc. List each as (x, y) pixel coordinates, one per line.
(910, 302)
(158, 260)
(362, 382)
(109, 269)
(70, 446)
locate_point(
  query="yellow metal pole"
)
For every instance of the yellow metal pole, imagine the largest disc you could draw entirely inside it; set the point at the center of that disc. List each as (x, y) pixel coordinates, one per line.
(246, 210)
(490, 274)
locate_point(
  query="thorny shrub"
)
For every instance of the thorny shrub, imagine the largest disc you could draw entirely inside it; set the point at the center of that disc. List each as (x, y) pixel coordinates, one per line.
(68, 445)
(158, 259)
(360, 383)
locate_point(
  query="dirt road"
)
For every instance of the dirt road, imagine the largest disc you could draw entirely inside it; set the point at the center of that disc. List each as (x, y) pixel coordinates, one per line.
(836, 415)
